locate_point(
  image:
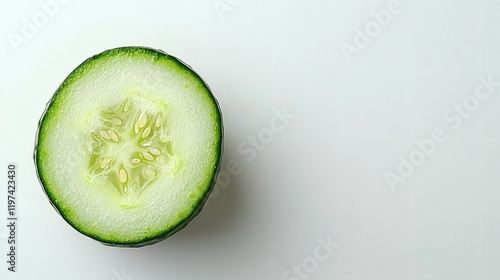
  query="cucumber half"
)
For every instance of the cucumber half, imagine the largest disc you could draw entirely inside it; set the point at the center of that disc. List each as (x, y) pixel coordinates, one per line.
(129, 146)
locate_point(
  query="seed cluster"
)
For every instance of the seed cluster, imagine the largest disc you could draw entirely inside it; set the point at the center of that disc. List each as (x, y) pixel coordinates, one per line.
(130, 149)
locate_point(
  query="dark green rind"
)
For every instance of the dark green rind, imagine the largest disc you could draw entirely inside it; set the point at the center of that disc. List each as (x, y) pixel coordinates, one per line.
(52, 106)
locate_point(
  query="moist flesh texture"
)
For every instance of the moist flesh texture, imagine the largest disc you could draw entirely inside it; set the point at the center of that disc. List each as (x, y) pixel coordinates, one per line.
(129, 146)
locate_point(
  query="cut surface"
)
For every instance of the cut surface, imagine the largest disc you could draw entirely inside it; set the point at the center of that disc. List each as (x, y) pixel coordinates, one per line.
(129, 146)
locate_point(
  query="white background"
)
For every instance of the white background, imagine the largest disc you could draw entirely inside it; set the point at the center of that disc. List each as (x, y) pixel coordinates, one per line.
(323, 176)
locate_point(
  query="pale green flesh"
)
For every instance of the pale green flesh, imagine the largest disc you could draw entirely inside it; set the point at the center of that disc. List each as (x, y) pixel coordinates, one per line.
(129, 146)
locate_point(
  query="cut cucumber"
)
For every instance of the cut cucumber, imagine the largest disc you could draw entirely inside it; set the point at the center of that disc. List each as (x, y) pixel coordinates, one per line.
(129, 146)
